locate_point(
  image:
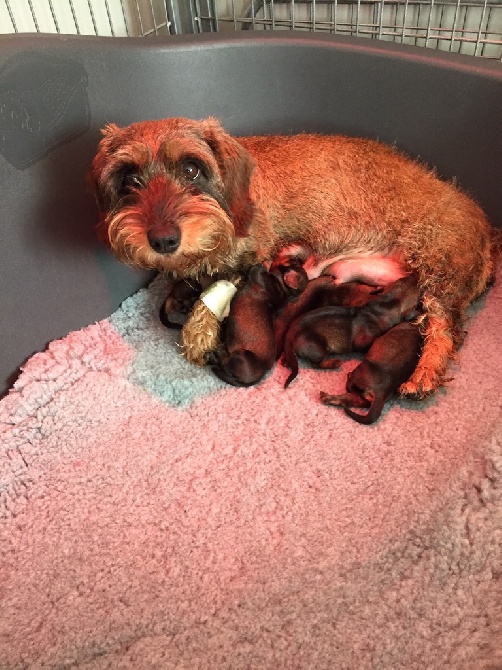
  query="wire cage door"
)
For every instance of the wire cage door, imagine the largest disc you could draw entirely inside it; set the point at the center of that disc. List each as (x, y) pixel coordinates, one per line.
(114, 18)
(471, 27)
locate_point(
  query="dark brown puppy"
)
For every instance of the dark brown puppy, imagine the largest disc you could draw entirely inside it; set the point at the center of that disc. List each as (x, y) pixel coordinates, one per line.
(174, 310)
(322, 333)
(321, 292)
(249, 340)
(390, 362)
(184, 197)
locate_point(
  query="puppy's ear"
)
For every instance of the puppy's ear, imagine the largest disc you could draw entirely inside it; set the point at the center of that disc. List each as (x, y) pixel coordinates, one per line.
(236, 168)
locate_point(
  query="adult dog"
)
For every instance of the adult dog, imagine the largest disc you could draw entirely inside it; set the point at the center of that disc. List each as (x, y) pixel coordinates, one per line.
(184, 197)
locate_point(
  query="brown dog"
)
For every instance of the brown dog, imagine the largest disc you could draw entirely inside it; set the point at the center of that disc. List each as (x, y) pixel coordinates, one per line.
(321, 292)
(184, 197)
(322, 333)
(249, 339)
(389, 363)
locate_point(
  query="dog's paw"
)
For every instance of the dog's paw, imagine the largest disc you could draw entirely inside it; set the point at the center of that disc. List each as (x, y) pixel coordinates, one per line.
(420, 387)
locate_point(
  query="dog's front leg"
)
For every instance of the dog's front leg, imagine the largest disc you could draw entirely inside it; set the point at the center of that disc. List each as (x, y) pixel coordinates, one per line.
(201, 333)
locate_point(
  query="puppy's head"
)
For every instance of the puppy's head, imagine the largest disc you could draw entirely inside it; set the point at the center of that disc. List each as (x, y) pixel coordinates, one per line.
(173, 195)
(402, 295)
(262, 286)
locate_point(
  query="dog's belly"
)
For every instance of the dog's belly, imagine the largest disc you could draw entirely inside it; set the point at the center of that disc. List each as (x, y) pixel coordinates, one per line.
(377, 270)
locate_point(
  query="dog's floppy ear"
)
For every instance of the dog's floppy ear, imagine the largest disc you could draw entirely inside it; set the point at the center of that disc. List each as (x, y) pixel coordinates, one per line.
(236, 168)
(110, 133)
(107, 146)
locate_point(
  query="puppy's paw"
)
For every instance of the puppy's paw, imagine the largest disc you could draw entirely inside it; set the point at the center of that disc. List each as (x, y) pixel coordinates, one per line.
(179, 303)
(330, 364)
(327, 399)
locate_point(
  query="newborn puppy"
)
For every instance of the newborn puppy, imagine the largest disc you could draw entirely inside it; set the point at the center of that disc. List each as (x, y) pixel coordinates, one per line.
(319, 334)
(173, 312)
(249, 349)
(321, 292)
(390, 362)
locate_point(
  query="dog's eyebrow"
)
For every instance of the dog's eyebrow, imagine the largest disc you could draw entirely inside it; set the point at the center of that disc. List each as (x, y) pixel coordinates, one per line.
(134, 153)
(120, 168)
(173, 152)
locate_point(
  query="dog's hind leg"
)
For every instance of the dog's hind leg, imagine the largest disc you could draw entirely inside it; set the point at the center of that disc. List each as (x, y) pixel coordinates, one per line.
(441, 339)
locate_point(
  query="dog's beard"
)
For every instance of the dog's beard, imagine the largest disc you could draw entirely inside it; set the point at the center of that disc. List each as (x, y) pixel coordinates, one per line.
(206, 246)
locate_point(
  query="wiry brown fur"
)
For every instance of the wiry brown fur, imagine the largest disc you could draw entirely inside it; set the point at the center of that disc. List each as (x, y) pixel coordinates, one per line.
(341, 196)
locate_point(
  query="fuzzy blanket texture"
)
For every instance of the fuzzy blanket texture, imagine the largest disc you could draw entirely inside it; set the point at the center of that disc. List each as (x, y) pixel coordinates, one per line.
(152, 517)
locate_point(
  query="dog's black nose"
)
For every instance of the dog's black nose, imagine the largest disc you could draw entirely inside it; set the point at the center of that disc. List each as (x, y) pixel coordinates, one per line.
(166, 243)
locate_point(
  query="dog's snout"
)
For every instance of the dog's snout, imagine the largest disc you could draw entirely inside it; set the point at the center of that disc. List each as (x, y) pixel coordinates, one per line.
(165, 242)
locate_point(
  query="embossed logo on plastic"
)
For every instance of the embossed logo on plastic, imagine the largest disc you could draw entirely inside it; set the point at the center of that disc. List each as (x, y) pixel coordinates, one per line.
(43, 105)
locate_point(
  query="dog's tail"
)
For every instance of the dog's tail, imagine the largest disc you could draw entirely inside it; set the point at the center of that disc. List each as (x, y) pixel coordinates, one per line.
(289, 358)
(374, 412)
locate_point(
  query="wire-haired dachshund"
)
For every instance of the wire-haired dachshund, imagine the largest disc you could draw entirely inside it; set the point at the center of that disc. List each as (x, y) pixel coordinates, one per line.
(184, 197)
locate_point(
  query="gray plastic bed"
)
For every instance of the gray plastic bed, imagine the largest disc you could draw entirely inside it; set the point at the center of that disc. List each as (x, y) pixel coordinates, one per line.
(56, 92)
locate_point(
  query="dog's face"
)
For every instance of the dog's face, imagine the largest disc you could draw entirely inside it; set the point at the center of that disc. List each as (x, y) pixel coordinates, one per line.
(174, 195)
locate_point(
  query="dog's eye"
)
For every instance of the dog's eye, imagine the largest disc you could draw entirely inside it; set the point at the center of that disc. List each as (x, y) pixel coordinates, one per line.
(190, 171)
(128, 182)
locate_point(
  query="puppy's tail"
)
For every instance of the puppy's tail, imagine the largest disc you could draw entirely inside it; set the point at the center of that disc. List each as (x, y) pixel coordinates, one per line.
(280, 334)
(371, 415)
(290, 359)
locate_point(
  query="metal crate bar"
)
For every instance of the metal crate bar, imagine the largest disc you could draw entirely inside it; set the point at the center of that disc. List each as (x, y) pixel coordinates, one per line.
(465, 26)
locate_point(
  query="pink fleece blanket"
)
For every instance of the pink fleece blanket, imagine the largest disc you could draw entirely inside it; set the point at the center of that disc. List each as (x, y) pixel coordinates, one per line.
(152, 517)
